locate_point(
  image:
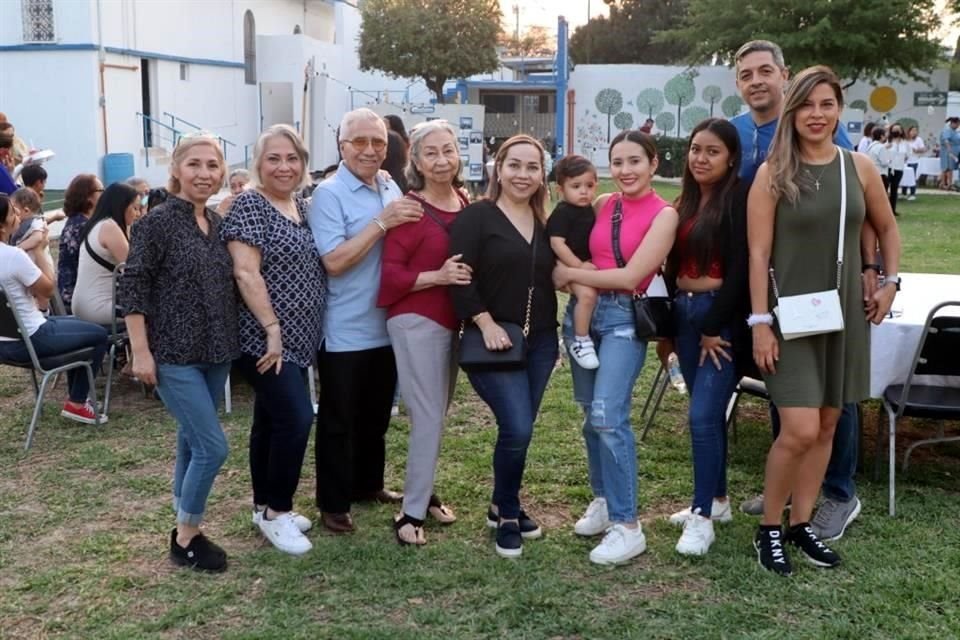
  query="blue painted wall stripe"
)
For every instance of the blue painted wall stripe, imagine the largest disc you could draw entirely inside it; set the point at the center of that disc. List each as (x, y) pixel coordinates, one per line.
(123, 52)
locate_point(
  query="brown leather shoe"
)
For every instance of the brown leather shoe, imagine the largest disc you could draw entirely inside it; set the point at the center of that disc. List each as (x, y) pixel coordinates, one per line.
(337, 522)
(384, 496)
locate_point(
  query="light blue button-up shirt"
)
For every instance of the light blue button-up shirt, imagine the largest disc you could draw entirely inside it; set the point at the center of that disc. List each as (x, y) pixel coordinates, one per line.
(342, 206)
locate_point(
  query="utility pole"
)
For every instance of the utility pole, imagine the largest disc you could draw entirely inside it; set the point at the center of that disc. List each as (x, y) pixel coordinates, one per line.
(589, 38)
(516, 33)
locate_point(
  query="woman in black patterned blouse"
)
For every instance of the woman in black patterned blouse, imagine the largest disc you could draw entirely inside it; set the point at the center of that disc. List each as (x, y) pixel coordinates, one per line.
(178, 293)
(282, 283)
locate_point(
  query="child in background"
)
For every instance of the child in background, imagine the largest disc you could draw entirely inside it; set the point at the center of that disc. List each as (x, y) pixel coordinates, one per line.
(30, 234)
(569, 229)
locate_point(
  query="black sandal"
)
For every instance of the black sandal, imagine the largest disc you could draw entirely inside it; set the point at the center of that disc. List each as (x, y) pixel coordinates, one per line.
(440, 512)
(404, 520)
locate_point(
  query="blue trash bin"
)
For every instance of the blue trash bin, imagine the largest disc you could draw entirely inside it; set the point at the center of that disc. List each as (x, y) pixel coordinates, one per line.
(117, 167)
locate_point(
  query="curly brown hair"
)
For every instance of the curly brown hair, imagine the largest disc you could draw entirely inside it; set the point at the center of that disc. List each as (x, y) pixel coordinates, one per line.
(76, 200)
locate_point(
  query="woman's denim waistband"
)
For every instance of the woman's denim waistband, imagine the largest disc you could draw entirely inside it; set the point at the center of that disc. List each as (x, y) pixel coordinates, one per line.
(696, 294)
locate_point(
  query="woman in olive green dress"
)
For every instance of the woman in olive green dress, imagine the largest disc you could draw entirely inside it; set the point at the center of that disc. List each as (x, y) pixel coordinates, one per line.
(793, 218)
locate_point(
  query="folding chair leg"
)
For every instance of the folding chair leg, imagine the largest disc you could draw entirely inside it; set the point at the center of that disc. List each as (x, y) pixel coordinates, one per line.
(656, 406)
(37, 409)
(879, 448)
(732, 414)
(312, 385)
(653, 389)
(893, 462)
(227, 399)
(106, 392)
(93, 395)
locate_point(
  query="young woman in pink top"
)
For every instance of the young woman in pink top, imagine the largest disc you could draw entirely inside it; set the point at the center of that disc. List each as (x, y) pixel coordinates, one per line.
(647, 229)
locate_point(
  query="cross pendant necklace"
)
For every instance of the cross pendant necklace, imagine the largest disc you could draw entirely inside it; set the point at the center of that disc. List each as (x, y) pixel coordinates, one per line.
(816, 181)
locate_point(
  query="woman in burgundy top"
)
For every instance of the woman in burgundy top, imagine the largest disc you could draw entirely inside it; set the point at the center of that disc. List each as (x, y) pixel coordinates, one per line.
(414, 278)
(708, 265)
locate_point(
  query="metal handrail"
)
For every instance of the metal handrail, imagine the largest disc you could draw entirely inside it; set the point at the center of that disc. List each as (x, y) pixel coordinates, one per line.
(173, 122)
(144, 118)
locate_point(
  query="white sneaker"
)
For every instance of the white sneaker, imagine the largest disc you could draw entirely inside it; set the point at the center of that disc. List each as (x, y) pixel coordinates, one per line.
(719, 512)
(697, 535)
(911, 198)
(619, 545)
(595, 520)
(584, 353)
(284, 534)
(303, 523)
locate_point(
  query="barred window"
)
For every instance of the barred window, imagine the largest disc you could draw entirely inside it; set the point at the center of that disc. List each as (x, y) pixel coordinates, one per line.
(38, 23)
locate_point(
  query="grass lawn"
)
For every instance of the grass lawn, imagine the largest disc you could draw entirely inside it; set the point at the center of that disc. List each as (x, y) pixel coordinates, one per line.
(86, 520)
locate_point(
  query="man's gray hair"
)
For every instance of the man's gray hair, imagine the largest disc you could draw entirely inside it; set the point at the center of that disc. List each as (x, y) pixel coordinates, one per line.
(358, 115)
(760, 45)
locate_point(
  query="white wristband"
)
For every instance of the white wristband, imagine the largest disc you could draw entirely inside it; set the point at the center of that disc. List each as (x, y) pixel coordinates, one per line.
(759, 318)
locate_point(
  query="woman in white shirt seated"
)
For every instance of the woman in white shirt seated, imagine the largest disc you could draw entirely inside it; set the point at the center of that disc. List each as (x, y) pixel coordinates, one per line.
(23, 283)
(103, 245)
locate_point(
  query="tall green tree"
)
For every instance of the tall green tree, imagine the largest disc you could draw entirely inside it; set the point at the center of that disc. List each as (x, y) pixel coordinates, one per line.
(430, 39)
(627, 35)
(859, 40)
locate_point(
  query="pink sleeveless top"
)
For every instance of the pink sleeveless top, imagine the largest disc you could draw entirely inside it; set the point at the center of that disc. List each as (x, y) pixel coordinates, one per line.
(638, 215)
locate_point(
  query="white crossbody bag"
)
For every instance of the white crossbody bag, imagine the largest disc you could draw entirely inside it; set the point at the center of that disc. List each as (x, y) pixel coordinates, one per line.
(810, 314)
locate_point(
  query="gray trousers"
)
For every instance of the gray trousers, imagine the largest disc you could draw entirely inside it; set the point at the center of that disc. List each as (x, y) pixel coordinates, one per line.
(427, 374)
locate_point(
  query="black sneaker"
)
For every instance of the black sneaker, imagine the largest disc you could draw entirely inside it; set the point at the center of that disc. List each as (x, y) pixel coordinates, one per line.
(200, 554)
(509, 540)
(818, 554)
(770, 552)
(529, 528)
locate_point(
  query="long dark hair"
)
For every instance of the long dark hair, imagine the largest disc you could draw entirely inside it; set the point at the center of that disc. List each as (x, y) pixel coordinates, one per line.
(113, 205)
(396, 160)
(706, 233)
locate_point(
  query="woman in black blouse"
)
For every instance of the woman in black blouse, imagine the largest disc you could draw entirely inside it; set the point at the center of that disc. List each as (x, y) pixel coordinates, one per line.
(181, 315)
(282, 283)
(501, 238)
(708, 265)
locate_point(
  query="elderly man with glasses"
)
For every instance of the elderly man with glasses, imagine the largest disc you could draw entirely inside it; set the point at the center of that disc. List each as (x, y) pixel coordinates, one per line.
(761, 77)
(349, 217)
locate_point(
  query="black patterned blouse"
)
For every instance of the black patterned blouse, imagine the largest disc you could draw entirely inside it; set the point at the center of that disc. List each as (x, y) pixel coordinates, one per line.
(182, 281)
(292, 271)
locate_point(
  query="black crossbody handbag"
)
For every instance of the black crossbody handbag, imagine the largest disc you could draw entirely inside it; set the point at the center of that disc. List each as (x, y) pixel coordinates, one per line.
(652, 315)
(474, 355)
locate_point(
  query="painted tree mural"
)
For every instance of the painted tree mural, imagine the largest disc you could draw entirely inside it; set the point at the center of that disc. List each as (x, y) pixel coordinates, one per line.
(665, 121)
(650, 101)
(859, 104)
(711, 95)
(731, 105)
(623, 120)
(692, 116)
(609, 101)
(680, 91)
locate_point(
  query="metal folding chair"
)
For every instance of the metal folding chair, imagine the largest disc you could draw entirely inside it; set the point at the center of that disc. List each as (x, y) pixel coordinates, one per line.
(938, 354)
(11, 326)
(751, 387)
(660, 383)
(118, 337)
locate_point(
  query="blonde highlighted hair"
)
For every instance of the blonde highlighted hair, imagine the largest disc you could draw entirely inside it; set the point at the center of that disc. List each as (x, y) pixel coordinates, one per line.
(280, 131)
(184, 145)
(784, 158)
(538, 201)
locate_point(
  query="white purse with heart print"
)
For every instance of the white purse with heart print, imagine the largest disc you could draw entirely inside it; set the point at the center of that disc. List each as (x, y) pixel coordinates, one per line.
(810, 314)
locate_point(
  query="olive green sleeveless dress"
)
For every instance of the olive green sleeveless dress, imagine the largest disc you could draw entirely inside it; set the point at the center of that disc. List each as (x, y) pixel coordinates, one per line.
(830, 369)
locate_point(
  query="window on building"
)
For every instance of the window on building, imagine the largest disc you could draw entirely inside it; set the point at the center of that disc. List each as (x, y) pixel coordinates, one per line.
(537, 104)
(499, 102)
(184, 71)
(38, 23)
(249, 48)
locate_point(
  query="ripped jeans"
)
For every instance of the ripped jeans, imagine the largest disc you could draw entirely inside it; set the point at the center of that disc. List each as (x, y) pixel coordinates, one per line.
(605, 394)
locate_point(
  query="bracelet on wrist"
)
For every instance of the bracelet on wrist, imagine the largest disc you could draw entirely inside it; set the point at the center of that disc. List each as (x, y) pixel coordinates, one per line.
(270, 324)
(380, 224)
(759, 318)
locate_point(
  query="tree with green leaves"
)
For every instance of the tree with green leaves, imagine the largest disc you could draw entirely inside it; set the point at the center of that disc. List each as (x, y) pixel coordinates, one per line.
(609, 101)
(650, 101)
(665, 121)
(859, 104)
(859, 40)
(692, 116)
(680, 91)
(430, 39)
(731, 105)
(711, 95)
(627, 35)
(623, 120)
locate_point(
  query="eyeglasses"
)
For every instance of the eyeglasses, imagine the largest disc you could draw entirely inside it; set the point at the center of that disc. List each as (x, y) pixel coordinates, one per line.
(360, 144)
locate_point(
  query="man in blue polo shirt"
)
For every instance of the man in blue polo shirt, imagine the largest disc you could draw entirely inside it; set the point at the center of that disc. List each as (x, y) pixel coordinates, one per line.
(761, 77)
(349, 217)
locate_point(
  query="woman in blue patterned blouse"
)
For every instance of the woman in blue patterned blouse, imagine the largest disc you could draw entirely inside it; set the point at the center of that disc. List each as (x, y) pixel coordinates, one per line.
(79, 201)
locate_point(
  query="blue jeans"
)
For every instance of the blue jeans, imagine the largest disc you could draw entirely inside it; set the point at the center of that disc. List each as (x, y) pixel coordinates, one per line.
(604, 394)
(62, 334)
(514, 397)
(710, 390)
(192, 394)
(838, 482)
(282, 417)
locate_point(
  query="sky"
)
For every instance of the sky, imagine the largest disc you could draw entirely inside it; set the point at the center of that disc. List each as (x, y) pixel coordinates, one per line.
(544, 12)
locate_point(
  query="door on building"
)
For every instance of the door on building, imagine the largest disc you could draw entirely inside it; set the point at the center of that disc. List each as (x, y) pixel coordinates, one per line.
(145, 107)
(276, 104)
